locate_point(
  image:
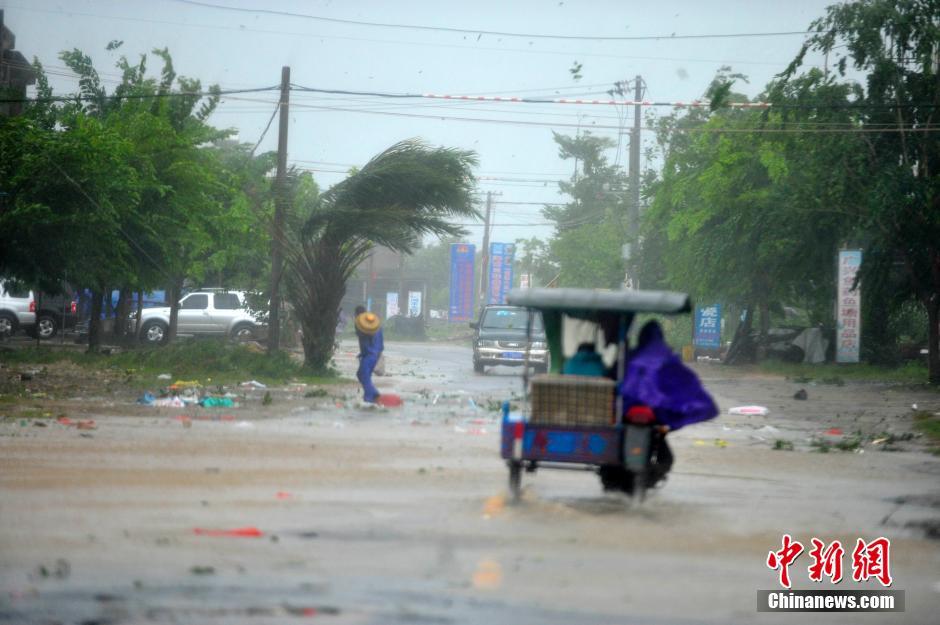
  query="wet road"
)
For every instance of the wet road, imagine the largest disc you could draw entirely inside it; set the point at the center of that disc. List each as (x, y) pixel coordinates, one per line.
(400, 516)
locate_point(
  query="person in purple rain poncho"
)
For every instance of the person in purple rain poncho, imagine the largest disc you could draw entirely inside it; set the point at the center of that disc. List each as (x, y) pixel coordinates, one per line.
(656, 377)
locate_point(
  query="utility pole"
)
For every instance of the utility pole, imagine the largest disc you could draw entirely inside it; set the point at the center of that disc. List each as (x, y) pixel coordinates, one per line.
(634, 169)
(485, 258)
(633, 217)
(280, 208)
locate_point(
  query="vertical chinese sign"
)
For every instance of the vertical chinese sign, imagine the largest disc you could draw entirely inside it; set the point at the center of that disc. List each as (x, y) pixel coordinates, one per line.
(849, 317)
(391, 305)
(462, 256)
(414, 304)
(500, 272)
(708, 327)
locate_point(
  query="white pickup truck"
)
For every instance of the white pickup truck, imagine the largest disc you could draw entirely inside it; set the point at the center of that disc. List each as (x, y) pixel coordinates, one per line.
(201, 313)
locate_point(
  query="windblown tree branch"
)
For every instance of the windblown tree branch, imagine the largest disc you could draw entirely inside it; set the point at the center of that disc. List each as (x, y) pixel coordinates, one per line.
(403, 194)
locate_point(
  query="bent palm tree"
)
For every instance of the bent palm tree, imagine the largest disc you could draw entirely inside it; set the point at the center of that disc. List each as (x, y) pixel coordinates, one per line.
(404, 193)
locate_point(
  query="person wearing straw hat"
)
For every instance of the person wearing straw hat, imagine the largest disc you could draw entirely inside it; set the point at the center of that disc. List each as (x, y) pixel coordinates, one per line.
(369, 332)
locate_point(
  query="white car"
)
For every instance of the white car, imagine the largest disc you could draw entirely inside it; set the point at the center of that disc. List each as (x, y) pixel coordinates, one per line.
(202, 313)
(17, 309)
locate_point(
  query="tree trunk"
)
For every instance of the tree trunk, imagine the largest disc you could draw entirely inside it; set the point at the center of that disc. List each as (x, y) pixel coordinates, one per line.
(94, 323)
(933, 337)
(740, 344)
(140, 312)
(120, 318)
(319, 331)
(175, 289)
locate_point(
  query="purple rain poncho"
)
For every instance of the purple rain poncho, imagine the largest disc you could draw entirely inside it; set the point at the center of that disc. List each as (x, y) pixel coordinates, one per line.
(656, 377)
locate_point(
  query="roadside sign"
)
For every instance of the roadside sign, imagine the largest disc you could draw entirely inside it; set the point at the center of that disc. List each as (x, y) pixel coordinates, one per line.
(500, 272)
(849, 307)
(462, 257)
(414, 303)
(707, 332)
(391, 305)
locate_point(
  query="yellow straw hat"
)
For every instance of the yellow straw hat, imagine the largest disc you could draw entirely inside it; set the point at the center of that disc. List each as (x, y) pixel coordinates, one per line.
(368, 323)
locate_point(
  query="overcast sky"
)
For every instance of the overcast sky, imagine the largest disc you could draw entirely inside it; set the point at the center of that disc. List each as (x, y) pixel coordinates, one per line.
(238, 49)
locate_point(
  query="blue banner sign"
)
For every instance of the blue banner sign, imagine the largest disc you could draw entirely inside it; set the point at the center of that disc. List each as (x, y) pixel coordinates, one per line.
(500, 272)
(462, 256)
(708, 327)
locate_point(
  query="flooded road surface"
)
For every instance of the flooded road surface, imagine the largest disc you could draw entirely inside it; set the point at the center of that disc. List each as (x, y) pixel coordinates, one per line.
(352, 515)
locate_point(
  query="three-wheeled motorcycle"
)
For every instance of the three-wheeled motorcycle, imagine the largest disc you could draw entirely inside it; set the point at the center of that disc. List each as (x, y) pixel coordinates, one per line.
(579, 421)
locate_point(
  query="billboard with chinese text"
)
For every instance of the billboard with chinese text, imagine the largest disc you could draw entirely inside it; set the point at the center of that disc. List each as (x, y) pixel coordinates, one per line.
(708, 327)
(849, 317)
(461, 282)
(499, 276)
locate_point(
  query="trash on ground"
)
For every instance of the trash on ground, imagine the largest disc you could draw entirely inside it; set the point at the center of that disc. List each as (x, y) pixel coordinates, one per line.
(750, 411)
(169, 402)
(146, 399)
(164, 376)
(283, 495)
(245, 425)
(180, 385)
(834, 432)
(60, 570)
(473, 431)
(202, 570)
(253, 384)
(240, 532)
(217, 402)
(767, 430)
(86, 425)
(800, 394)
(720, 442)
(389, 400)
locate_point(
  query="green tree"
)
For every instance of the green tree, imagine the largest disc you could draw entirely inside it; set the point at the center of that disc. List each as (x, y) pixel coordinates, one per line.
(894, 45)
(403, 194)
(590, 229)
(749, 209)
(533, 256)
(71, 196)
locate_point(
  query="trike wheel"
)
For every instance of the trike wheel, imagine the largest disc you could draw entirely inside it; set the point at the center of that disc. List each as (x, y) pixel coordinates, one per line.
(515, 480)
(640, 483)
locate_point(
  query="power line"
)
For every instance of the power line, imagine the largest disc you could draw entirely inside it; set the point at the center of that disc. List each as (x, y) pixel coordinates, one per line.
(134, 96)
(593, 127)
(496, 33)
(473, 48)
(277, 108)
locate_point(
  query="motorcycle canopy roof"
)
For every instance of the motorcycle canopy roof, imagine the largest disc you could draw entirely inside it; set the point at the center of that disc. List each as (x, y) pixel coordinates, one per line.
(612, 311)
(587, 303)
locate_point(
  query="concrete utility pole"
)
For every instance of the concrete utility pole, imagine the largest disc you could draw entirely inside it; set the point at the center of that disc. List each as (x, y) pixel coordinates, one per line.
(280, 208)
(634, 169)
(485, 258)
(633, 215)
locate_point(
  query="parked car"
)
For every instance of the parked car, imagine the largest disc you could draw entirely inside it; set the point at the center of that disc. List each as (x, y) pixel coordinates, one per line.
(207, 312)
(56, 312)
(17, 308)
(500, 339)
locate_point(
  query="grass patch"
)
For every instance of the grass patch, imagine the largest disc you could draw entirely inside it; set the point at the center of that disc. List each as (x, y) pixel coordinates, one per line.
(783, 445)
(834, 374)
(929, 424)
(222, 361)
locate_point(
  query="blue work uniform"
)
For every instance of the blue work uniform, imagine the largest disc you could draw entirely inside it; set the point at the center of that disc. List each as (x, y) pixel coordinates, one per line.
(370, 348)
